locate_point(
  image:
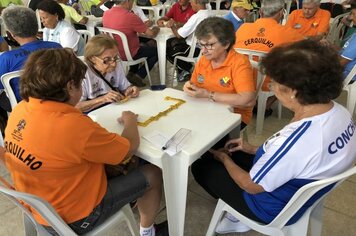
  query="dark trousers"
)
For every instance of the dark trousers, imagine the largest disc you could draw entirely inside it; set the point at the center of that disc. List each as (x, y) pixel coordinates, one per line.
(152, 58)
(214, 178)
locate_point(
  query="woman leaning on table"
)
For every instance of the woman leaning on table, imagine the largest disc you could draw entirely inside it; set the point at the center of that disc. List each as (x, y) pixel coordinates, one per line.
(105, 80)
(221, 74)
(57, 153)
(318, 143)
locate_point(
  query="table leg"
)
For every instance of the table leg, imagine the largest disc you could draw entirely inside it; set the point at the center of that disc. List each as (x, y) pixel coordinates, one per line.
(161, 50)
(175, 180)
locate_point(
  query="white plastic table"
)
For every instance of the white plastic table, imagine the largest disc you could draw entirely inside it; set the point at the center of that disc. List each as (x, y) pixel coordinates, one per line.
(163, 35)
(208, 121)
(93, 21)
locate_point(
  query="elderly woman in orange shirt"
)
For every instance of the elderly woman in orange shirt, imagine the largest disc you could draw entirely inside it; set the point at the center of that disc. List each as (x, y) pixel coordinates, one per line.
(221, 74)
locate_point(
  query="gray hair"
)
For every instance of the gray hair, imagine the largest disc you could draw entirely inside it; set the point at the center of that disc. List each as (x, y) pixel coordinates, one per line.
(20, 21)
(317, 2)
(271, 7)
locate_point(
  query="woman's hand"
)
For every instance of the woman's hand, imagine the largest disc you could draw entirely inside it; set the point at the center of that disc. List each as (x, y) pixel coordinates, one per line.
(132, 91)
(112, 96)
(127, 117)
(170, 23)
(238, 144)
(160, 23)
(219, 155)
(194, 91)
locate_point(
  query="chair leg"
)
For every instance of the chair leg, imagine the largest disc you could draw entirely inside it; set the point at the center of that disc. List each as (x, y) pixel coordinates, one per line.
(148, 72)
(30, 229)
(216, 218)
(130, 220)
(261, 107)
(316, 219)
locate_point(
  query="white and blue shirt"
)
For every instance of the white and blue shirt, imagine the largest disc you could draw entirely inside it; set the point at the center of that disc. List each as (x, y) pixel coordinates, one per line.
(311, 149)
(349, 52)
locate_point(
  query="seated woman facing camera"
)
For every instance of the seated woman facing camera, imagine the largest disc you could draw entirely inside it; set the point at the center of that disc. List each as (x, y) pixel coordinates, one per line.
(221, 74)
(105, 80)
(69, 165)
(259, 181)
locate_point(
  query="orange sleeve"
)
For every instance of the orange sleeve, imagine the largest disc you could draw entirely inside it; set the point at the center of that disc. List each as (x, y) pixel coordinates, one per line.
(105, 147)
(242, 75)
(291, 19)
(324, 22)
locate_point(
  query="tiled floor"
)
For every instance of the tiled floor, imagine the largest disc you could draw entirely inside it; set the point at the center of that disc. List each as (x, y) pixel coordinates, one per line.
(340, 205)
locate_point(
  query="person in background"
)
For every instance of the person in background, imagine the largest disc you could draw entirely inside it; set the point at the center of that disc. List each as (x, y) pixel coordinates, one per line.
(6, 3)
(310, 21)
(221, 74)
(258, 182)
(348, 52)
(180, 45)
(120, 17)
(71, 167)
(71, 15)
(239, 10)
(57, 29)
(105, 80)
(266, 33)
(178, 15)
(21, 23)
(3, 45)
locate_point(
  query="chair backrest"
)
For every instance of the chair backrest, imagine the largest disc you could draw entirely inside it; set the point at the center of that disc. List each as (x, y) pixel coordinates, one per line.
(350, 76)
(6, 81)
(42, 207)
(337, 30)
(86, 35)
(305, 193)
(123, 37)
(287, 4)
(255, 58)
(192, 47)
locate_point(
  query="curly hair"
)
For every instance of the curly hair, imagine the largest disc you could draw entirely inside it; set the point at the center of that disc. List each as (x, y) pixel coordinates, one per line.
(222, 29)
(47, 72)
(52, 7)
(313, 70)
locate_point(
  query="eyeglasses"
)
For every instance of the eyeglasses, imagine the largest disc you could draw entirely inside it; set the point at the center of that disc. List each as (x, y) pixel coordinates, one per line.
(207, 46)
(109, 60)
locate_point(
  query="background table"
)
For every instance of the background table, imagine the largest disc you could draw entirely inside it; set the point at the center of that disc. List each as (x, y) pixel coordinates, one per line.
(208, 121)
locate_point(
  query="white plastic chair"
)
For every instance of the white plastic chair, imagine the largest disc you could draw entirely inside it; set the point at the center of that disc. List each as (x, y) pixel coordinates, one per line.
(129, 61)
(255, 58)
(190, 58)
(5, 80)
(56, 222)
(84, 7)
(287, 7)
(86, 35)
(337, 30)
(277, 226)
(351, 91)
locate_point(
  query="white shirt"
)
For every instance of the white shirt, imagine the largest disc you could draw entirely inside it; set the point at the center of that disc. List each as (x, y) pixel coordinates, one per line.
(188, 29)
(313, 148)
(93, 85)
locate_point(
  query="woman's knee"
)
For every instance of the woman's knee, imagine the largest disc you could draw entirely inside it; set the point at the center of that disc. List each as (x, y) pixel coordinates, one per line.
(153, 175)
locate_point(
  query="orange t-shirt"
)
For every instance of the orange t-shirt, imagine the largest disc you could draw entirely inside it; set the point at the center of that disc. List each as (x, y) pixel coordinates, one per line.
(57, 153)
(313, 26)
(233, 76)
(263, 35)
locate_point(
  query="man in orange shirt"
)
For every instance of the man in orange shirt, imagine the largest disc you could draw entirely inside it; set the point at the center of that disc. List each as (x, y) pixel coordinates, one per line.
(266, 33)
(310, 21)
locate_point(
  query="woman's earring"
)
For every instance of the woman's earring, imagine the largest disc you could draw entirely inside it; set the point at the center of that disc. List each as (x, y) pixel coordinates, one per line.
(292, 97)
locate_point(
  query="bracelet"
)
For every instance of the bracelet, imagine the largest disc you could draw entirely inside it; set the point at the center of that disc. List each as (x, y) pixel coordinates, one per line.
(212, 96)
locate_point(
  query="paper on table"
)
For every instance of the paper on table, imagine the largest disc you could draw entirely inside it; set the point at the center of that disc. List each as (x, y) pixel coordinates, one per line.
(160, 140)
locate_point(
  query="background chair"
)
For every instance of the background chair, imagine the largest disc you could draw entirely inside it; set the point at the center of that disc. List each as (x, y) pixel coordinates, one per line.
(351, 91)
(6, 80)
(255, 58)
(86, 35)
(337, 30)
(51, 216)
(190, 58)
(129, 61)
(278, 226)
